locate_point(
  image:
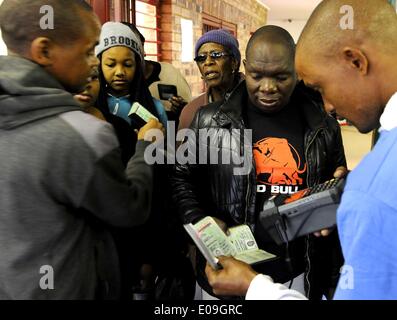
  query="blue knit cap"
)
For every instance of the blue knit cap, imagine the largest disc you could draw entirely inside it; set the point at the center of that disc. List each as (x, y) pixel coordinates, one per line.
(222, 37)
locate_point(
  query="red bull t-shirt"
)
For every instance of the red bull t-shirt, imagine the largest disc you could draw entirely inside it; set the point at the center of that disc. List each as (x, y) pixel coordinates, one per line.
(278, 151)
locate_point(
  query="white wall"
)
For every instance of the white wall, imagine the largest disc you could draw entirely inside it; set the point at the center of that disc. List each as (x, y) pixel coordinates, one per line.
(3, 48)
(294, 27)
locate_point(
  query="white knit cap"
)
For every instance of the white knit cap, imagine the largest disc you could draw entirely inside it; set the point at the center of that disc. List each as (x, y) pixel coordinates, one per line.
(115, 34)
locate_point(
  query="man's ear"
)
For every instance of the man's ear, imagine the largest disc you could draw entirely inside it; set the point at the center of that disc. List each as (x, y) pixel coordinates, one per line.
(41, 51)
(356, 59)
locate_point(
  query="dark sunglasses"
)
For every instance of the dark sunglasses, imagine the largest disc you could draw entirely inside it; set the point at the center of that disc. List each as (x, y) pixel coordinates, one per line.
(215, 55)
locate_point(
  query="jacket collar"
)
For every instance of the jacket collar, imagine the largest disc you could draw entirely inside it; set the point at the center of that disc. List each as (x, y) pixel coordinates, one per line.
(311, 105)
(231, 109)
(309, 102)
(388, 120)
(26, 75)
(28, 93)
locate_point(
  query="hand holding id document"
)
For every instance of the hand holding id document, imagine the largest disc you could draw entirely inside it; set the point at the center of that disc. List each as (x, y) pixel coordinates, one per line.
(213, 242)
(139, 115)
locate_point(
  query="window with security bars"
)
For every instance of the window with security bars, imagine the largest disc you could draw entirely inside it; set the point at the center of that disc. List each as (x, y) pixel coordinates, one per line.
(102, 8)
(212, 23)
(144, 14)
(147, 21)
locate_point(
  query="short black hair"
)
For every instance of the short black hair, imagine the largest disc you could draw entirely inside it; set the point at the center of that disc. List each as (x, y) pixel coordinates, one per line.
(20, 21)
(374, 23)
(272, 34)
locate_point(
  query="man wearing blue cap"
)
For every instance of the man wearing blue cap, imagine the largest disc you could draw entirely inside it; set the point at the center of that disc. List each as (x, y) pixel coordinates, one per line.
(294, 144)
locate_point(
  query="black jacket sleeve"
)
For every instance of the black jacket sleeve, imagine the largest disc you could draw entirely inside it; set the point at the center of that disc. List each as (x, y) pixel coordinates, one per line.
(339, 153)
(185, 193)
(335, 148)
(117, 196)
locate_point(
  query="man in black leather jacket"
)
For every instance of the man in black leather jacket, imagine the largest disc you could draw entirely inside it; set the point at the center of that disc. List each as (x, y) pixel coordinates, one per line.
(294, 144)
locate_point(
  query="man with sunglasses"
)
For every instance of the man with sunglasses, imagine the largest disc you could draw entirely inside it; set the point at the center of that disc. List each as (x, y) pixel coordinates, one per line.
(218, 59)
(294, 144)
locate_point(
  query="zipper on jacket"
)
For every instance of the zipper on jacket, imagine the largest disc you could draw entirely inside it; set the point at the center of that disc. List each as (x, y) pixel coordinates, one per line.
(116, 108)
(308, 270)
(308, 267)
(243, 127)
(306, 154)
(246, 199)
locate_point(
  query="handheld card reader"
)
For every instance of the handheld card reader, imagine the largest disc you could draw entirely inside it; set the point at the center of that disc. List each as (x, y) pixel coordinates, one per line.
(287, 217)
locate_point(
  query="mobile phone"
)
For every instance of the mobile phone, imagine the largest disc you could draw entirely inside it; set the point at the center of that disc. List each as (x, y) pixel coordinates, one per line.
(167, 91)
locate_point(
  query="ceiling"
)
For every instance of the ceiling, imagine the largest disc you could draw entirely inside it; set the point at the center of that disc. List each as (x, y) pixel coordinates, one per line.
(290, 9)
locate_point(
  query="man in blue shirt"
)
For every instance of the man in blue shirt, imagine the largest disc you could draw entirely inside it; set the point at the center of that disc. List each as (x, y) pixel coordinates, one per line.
(349, 58)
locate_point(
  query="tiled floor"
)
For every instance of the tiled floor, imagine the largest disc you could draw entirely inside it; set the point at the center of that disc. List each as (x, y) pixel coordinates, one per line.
(356, 144)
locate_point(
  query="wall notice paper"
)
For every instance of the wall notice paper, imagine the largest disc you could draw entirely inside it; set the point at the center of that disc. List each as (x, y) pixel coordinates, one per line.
(213, 242)
(187, 40)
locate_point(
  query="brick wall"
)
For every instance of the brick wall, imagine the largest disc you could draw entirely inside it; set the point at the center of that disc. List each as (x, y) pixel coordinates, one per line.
(248, 15)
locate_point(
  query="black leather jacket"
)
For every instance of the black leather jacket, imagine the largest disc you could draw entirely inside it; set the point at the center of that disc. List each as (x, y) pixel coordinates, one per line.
(201, 190)
(214, 189)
